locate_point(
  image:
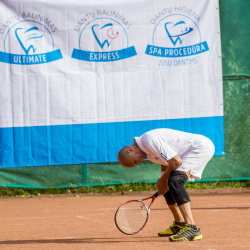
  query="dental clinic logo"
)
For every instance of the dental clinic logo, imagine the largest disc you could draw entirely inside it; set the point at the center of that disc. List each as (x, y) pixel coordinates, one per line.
(29, 42)
(103, 40)
(176, 35)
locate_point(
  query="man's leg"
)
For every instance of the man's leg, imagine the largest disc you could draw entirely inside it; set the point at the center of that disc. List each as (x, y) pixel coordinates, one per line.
(185, 210)
(176, 187)
(176, 213)
(178, 223)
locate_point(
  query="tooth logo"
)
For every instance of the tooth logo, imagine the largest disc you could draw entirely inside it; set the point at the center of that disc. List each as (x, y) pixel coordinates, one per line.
(103, 40)
(176, 35)
(29, 42)
(110, 34)
(28, 36)
(175, 38)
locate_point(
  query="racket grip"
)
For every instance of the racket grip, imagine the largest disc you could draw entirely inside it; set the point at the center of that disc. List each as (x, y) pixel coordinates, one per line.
(156, 194)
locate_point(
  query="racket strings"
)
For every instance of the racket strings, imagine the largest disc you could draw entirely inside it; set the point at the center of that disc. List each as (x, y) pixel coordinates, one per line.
(131, 217)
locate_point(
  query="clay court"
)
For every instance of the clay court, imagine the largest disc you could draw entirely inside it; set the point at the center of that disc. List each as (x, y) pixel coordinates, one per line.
(87, 222)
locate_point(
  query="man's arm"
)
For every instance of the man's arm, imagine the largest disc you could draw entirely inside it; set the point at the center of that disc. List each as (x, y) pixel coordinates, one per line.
(162, 183)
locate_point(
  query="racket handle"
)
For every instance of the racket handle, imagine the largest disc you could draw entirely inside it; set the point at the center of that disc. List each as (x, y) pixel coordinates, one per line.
(156, 194)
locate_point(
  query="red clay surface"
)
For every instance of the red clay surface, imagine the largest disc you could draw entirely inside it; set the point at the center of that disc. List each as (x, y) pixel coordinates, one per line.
(87, 222)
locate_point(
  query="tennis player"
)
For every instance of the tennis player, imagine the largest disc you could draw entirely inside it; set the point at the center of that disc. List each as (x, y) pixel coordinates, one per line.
(182, 156)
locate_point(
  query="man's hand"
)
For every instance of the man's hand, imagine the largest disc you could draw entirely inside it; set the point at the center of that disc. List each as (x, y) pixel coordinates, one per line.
(162, 186)
(172, 164)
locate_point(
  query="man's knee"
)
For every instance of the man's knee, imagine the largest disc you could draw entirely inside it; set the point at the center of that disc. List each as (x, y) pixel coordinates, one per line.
(169, 198)
(176, 188)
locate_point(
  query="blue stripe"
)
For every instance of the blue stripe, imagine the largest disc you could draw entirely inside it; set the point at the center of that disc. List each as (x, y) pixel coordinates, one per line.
(108, 56)
(30, 59)
(177, 51)
(164, 157)
(90, 143)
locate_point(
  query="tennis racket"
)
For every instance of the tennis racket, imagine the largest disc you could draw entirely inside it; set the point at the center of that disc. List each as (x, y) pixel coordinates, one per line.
(132, 216)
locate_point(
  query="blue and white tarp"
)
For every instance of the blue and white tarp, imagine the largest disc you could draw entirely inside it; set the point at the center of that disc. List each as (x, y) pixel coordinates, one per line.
(80, 79)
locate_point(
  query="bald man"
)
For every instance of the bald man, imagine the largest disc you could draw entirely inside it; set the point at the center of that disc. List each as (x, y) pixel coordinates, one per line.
(182, 156)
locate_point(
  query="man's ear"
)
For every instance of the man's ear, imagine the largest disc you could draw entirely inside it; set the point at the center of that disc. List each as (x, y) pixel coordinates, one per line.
(129, 150)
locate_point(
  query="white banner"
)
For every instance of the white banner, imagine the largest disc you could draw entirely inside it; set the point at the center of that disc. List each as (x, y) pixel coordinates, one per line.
(99, 62)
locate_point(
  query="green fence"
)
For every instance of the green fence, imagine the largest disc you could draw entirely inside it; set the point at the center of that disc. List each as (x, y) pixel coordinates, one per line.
(234, 165)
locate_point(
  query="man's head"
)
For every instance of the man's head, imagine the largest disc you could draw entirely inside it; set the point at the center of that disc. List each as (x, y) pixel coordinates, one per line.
(130, 156)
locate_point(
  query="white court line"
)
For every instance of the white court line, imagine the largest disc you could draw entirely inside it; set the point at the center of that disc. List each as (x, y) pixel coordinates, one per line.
(220, 210)
(92, 209)
(81, 217)
(239, 204)
(35, 218)
(230, 204)
(59, 238)
(213, 210)
(103, 209)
